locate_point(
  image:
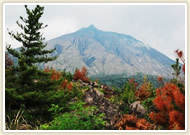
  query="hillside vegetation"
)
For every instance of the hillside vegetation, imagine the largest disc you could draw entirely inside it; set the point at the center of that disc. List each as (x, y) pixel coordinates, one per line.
(50, 99)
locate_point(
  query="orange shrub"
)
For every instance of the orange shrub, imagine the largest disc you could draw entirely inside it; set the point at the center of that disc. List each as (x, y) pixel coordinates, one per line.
(55, 75)
(64, 83)
(176, 120)
(69, 86)
(131, 122)
(46, 69)
(170, 103)
(81, 75)
(144, 91)
(132, 81)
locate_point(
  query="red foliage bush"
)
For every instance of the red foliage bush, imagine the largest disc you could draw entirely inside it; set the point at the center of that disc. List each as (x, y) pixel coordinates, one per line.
(81, 75)
(66, 84)
(171, 105)
(132, 81)
(69, 86)
(160, 79)
(176, 120)
(181, 56)
(144, 91)
(55, 75)
(131, 122)
(46, 69)
(159, 118)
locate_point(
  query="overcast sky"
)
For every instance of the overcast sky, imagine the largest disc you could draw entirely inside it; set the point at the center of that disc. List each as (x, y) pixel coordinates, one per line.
(160, 26)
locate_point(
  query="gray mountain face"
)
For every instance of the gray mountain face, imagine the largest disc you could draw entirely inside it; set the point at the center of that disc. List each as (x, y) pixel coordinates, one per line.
(107, 53)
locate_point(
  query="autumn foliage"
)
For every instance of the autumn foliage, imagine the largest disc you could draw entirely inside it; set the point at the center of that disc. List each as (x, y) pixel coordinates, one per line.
(81, 75)
(46, 69)
(55, 75)
(160, 79)
(131, 122)
(69, 86)
(170, 103)
(66, 84)
(144, 91)
(181, 56)
(132, 82)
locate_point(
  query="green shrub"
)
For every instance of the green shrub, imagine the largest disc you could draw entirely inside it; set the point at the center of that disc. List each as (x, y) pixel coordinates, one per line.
(79, 118)
(127, 96)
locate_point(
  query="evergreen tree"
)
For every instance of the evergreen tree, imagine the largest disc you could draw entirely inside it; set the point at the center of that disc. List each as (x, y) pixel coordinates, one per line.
(32, 50)
(177, 68)
(31, 88)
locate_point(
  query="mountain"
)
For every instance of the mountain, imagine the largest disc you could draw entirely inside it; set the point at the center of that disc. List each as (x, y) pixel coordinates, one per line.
(107, 53)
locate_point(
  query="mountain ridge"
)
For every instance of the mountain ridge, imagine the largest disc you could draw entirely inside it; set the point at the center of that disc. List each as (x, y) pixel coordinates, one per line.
(108, 53)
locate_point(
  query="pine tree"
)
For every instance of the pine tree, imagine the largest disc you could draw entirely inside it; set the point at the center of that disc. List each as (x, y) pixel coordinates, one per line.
(32, 87)
(32, 50)
(177, 68)
(31, 38)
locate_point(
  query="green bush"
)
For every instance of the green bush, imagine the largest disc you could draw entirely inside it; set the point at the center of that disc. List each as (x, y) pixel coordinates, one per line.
(127, 96)
(79, 118)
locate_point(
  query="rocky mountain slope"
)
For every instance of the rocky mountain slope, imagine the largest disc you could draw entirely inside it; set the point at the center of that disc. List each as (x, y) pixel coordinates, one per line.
(107, 53)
